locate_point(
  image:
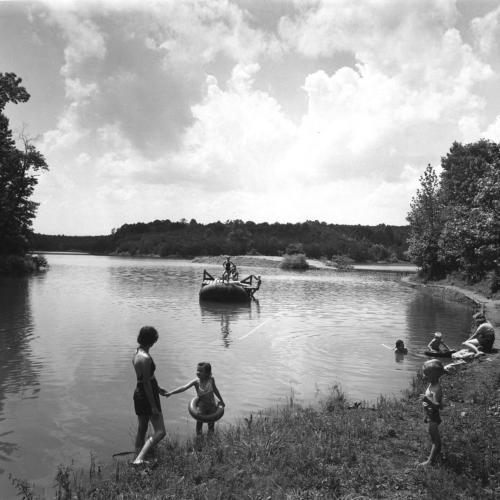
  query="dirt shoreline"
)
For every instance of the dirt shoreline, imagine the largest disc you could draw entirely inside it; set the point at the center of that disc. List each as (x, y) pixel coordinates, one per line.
(270, 261)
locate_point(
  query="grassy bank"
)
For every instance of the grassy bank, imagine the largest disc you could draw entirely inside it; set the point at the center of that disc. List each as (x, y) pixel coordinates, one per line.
(336, 450)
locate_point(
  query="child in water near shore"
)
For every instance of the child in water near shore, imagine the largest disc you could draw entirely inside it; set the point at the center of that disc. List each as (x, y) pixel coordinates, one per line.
(400, 347)
(205, 389)
(432, 401)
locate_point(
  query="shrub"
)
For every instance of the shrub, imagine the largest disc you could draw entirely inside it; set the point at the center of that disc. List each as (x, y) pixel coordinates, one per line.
(295, 261)
(16, 265)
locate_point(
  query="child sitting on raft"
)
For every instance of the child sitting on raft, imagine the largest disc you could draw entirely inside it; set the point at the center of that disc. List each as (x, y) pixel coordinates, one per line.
(432, 401)
(437, 344)
(205, 390)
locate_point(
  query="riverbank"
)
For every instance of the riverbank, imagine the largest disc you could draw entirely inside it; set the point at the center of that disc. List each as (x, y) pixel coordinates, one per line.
(338, 449)
(21, 265)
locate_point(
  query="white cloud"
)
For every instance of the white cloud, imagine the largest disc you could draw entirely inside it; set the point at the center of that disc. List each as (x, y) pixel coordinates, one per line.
(85, 41)
(67, 134)
(238, 136)
(487, 32)
(169, 115)
(493, 131)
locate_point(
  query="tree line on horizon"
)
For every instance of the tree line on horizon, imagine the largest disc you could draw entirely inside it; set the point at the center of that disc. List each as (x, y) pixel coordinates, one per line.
(185, 239)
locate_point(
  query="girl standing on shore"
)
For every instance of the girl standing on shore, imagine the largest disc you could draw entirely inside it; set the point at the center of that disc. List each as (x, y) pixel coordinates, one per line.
(147, 395)
(205, 390)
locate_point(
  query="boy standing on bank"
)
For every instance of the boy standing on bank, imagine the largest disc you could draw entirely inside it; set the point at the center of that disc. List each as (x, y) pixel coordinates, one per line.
(432, 401)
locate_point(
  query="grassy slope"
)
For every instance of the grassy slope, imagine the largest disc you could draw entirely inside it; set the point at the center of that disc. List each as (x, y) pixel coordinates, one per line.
(335, 451)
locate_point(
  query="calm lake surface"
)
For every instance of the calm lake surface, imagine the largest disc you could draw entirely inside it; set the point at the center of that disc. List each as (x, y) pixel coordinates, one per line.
(67, 338)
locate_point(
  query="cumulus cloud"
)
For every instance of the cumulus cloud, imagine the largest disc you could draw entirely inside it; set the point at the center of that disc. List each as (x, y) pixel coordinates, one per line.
(171, 108)
(493, 131)
(487, 31)
(409, 96)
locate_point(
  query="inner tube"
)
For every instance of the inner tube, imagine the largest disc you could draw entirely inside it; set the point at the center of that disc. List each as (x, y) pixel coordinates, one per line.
(201, 417)
(440, 354)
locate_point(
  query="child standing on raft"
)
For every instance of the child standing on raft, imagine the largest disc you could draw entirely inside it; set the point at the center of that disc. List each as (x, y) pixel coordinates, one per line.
(432, 401)
(205, 390)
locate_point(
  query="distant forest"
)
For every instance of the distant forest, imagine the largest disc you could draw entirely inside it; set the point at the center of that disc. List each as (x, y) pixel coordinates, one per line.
(236, 237)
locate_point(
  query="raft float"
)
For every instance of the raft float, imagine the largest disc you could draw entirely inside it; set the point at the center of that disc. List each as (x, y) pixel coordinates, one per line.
(217, 289)
(440, 354)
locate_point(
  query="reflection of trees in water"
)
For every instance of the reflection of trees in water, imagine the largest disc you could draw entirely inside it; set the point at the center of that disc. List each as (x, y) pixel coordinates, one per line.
(428, 313)
(145, 285)
(227, 313)
(18, 373)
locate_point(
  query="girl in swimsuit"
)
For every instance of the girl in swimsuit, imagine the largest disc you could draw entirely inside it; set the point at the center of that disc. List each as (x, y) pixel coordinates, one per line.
(205, 390)
(147, 395)
(432, 401)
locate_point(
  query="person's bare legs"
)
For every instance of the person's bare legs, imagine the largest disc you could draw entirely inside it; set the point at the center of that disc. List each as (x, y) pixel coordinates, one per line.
(142, 428)
(436, 444)
(199, 426)
(158, 435)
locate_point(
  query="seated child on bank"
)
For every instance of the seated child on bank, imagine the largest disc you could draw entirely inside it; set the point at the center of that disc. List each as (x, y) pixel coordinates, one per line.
(483, 338)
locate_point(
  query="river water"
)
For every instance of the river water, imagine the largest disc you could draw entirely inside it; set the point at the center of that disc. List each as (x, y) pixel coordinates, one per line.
(67, 338)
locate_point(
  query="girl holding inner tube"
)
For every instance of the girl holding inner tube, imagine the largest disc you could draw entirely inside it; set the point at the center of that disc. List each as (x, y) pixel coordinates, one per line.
(206, 391)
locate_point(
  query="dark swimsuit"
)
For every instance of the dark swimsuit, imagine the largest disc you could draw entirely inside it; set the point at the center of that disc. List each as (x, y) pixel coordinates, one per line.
(141, 402)
(431, 413)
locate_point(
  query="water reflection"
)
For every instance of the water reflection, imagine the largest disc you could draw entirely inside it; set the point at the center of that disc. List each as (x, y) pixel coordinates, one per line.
(428, 313)
(399, 357)
(19, 374)
(227, 313)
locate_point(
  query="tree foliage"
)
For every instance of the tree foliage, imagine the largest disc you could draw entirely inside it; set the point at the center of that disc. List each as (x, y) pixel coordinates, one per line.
(18, 174)
(425, 218)
(455, 220)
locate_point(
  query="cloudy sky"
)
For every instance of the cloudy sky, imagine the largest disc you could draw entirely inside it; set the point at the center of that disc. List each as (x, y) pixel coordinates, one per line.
(262, 110)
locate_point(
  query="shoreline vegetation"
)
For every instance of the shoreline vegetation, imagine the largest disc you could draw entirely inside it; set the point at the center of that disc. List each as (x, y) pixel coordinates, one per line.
(339, 449)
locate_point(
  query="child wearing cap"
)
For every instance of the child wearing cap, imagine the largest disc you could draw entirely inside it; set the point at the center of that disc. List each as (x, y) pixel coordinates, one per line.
(432, 401)
(436, 343)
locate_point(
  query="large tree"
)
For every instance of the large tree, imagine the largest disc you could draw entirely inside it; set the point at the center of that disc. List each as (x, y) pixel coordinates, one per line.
(19, 167)
(455, 223)
(426, 221)
(470, 188)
